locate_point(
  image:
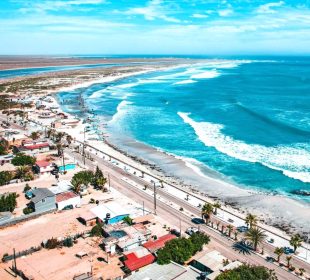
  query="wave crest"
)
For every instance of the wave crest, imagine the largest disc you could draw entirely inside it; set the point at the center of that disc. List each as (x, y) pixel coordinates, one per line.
(293, 162)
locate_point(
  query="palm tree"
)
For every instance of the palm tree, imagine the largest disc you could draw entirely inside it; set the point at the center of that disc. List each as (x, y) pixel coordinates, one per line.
(69, 139)
(279, 252)
(256, 236)
(216, 206)
(100, 182)
(236, 235)
(22, 172)
(35, 135)
(230, 229)
(288, 259)
(296, 242)
(206, 211)
(301, 271)
(59, 136)
(251, 220)
(59, 149)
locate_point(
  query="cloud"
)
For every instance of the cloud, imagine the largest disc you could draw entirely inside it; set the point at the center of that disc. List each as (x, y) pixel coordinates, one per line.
(268, 8)
(199, 16)
(225, 12)
(57, 5)
(153, 10)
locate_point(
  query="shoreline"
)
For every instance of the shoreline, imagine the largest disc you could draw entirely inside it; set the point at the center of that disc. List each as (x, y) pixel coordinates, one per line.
(238, 198)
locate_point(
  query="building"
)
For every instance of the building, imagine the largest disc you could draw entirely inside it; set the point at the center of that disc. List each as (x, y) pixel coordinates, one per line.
(33, 147)
(155, 245)
(67, 199)
(88, 219)
(138, 258)
(110, 213)
(5, 216)
(13, 138)
(61, 186)
(166, 272)
(126, 237)
(43, 200)
(43, 167)
(6, 159)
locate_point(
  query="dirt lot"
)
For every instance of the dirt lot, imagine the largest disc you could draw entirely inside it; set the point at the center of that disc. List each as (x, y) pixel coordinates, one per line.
(63, 264)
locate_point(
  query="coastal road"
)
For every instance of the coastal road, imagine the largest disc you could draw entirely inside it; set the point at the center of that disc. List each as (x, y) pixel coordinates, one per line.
(220, 242)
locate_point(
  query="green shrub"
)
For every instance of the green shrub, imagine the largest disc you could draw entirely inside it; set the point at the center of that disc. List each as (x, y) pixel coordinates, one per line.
(248, 272)
(96, 230)
(52, 243)
(27, 188)
(27, 210)
(68, 242)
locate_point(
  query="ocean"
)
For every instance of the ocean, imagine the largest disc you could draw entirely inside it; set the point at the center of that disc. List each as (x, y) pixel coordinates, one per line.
(245, 121)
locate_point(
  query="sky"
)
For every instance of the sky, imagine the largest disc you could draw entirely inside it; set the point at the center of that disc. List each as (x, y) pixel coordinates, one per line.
(201, 27)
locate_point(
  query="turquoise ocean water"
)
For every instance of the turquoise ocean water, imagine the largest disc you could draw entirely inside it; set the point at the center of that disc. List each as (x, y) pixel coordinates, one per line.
(246, 119)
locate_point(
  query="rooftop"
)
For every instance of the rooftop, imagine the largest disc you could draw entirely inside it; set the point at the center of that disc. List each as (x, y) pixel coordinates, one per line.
(154, 245)
(43, 163)
(111, 207)
(165, 272)
(65, 196)
(61, 186)
(40, 194)
(138, 258)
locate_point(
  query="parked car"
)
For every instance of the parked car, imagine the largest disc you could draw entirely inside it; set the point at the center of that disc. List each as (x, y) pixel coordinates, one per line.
(68, 207)
(191, 230)
(288, 250)
(242, 229)
(29, 194)
(175, 232)
(198, 221)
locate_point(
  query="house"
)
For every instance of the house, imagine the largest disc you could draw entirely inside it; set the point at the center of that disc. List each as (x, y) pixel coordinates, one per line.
(33, 147)
(61, 186)
(67, 199)
(43, 200)
(110, 213)
(5, 216)
(138, 258)
(127, 237)
(43, 167)
(6, 159)
(13, 138)
(166, 272)
(155, 245)
(88, 219)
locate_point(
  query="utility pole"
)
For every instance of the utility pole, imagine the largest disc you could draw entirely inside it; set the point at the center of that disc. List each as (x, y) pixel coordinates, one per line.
(155, 199)
(143, 207)
(180, 227)
(84, 147)
(63, 160)
(14, 264)
(109, 182)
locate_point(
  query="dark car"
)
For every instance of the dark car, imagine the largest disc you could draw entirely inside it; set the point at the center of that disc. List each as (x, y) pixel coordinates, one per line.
(175, 232)
(288, 250)
(68, 207)
(242, 229)
(198, 221)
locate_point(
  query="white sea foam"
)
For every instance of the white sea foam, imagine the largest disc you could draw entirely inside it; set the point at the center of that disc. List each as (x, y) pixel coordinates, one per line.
(292, 161)
(206, 74)
(120, 112)
(184, 82)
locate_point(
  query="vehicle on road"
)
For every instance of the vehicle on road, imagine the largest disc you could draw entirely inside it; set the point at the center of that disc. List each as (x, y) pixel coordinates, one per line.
(175, 232)
(191, 230)
(198, 221)
(242, 229)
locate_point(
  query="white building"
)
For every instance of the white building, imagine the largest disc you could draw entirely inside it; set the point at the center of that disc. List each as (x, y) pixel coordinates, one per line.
(67, 199)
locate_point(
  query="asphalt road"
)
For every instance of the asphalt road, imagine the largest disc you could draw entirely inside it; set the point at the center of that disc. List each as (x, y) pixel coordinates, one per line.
(222, 243)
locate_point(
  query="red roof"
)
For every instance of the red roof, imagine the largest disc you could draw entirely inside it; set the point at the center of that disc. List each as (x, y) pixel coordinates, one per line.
(42, 163)
(36, 146)
(154, 245)
(133, 262)
(65, 196)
